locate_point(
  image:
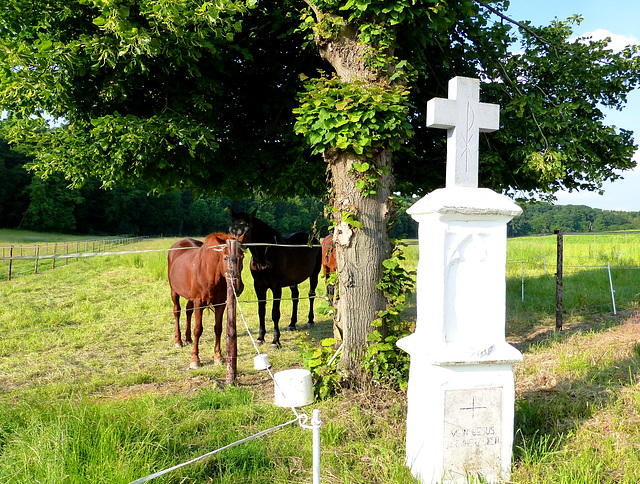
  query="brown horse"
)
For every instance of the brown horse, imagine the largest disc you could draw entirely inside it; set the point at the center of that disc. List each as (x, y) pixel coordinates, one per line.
(197, 272)
(276, 263)
(329, 264)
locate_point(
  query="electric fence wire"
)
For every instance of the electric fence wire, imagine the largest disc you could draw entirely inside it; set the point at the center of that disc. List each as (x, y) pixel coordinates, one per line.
(300, 418)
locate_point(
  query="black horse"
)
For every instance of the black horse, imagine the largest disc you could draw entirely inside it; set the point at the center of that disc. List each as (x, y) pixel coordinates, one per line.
(276, 264)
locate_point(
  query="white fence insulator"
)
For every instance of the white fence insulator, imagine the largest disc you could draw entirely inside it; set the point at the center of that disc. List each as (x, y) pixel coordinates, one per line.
(315, 426)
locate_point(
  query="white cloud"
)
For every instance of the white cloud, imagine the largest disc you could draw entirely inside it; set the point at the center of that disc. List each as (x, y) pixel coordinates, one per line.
(618, 42)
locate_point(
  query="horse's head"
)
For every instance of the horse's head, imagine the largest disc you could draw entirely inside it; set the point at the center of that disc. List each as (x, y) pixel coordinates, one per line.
(238, 284)
(241, 223)
(257, 233)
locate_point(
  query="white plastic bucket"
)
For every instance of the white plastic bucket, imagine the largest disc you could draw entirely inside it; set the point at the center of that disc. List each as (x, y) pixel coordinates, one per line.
(293, 388)
(261, 362)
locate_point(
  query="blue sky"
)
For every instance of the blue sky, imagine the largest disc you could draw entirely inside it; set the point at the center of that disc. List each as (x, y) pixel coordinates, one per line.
(618, 19)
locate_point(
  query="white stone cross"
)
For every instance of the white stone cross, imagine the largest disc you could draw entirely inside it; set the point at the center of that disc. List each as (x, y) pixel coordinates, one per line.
(463, 116)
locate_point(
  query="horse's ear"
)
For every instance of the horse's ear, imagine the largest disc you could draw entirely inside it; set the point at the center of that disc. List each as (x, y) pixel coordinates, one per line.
(231, 212)
(253, 214)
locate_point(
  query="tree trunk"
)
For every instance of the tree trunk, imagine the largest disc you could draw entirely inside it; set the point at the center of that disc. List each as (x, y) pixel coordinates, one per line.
(359, 253)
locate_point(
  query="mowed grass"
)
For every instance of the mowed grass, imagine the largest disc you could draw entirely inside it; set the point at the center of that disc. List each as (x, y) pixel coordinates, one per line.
(92, 389)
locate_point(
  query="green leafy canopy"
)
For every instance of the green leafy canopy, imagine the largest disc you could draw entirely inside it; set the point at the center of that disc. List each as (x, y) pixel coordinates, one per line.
(355, 116)
(177, 92)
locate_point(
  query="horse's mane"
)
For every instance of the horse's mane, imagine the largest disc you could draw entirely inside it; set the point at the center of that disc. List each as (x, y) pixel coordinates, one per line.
(216, 238)
(265, 230)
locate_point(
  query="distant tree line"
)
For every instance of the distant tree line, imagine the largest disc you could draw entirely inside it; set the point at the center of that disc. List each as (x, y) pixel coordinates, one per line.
(29, 202)
(545, 219)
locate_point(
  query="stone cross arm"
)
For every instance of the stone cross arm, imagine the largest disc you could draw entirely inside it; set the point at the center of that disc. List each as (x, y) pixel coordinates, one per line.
(464, 117)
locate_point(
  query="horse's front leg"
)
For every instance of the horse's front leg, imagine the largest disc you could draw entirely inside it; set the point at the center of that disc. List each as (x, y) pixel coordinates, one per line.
(217, 360)
(295, 296)
(275, 315)
(261, 294)
(176, 313)
(197, 332)
(313, 284)
(187, 330)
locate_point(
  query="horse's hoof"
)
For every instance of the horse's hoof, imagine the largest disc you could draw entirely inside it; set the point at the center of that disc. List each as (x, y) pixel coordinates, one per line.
(217, 361)
(178, 345)
(276, 346)
(291, 327)
(310, 325)
(194, 365)
(259, 342)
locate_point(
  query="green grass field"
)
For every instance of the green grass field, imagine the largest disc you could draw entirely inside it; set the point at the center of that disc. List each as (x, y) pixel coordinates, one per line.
(92, 389)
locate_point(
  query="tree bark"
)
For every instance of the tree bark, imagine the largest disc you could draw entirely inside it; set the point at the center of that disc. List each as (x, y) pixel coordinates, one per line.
(359, 253)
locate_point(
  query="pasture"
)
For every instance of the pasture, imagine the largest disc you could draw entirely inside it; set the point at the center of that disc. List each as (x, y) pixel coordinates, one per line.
(93, 390)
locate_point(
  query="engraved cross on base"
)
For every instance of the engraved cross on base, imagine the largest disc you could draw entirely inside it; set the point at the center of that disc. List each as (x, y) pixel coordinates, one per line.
(464, 117)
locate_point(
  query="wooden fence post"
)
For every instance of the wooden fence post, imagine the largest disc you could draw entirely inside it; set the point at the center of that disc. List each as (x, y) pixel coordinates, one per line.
(37, 257)
(560, 254)
(10, 260)
(232, 343)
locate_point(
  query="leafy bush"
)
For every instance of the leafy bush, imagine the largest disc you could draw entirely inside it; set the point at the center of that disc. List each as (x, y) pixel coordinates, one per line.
(323, 367)
(383, 359)
(387, 363)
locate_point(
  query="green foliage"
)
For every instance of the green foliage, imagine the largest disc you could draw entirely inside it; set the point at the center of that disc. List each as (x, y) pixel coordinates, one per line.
(148, 90)
(175, 93)
(52, 206)
(30, 202)
(387, 363)
(352, 116)
(326, 379)
(350, 219)
(383, 359)
(396, 281)
(369, 182)
(564, 131)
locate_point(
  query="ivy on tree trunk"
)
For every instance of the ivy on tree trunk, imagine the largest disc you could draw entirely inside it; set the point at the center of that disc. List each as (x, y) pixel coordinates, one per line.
(362, 204)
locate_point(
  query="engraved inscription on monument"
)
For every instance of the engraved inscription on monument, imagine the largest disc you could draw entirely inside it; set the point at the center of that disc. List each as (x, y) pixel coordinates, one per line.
(472, 431)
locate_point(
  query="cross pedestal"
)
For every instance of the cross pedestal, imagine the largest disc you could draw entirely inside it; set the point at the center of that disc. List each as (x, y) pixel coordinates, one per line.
(461, 396)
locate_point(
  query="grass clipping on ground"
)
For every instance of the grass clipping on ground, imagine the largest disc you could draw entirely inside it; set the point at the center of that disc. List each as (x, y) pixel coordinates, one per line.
(578, 403)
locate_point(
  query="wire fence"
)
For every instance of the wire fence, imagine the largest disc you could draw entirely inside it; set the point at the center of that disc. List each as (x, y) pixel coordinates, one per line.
(55, 252)
(300, 418)
(591, 283)
(25, 259)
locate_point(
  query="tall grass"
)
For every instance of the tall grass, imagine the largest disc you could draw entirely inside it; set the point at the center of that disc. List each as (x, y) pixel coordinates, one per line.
(588, 261)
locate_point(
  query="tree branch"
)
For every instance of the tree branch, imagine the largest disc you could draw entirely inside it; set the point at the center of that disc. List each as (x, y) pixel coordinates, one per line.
(515, 22)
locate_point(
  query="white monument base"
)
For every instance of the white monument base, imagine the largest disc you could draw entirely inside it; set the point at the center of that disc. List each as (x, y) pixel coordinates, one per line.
(461, 396)
(460, 422)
